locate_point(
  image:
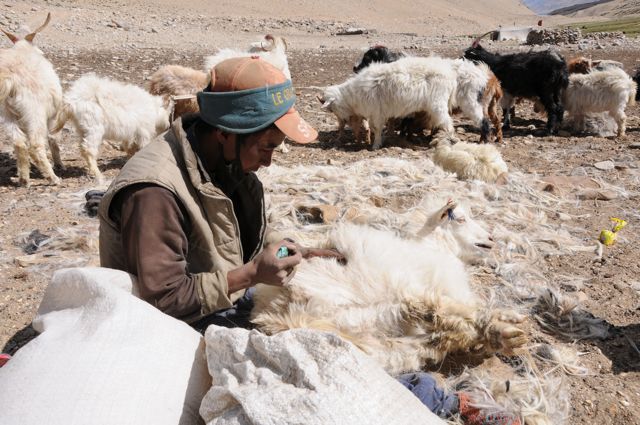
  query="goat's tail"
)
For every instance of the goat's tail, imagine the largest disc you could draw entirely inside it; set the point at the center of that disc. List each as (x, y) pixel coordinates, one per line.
(633, 94)
(62, 116)
(6, 86)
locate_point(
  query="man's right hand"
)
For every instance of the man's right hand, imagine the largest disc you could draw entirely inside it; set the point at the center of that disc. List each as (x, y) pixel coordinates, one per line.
(271, 270)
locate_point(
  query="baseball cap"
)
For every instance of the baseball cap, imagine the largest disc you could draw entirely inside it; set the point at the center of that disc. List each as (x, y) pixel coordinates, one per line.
(249, 94)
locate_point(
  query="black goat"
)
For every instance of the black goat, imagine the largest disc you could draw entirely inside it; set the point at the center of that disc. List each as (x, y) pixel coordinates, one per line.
(377, 54)
(540, 75)
(636, 78)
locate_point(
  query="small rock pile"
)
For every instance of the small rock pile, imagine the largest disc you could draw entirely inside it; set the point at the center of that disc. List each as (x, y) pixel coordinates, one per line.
(606, 36)
(548, 36)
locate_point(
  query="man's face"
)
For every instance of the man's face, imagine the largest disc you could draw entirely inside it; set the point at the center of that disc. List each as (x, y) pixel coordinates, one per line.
(257, 149)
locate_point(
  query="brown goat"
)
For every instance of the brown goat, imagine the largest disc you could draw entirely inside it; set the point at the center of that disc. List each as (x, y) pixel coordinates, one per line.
(178, 84)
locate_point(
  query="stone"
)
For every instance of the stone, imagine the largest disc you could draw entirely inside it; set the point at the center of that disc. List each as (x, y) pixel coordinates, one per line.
(604, 165)
(634, 146)
(582, 297)
(596, 195)
(318, 213)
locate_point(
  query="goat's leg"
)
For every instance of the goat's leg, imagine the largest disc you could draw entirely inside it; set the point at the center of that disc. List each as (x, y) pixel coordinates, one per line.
(552, 110)
(22, 155)
(438, 218)
(448, 326)
(376, 129)
(89, 148)
(341, 124)
(621, 120)
(55, 152)
(507, 102)
(492, 112)
(38, 155)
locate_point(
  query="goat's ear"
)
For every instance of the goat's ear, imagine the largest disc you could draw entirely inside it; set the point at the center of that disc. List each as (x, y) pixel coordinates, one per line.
(11, 37)
(595, 63)
(30, 37)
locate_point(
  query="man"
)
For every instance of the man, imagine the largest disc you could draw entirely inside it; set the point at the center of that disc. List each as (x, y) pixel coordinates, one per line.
(186, 214)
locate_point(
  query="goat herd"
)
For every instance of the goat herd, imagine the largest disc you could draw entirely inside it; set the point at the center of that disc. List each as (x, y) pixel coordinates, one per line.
(390, 89)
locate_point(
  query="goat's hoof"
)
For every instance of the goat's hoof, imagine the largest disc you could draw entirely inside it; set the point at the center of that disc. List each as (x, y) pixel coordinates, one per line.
(24, 182)
(512, 338)
(55, 180)
(505, 337)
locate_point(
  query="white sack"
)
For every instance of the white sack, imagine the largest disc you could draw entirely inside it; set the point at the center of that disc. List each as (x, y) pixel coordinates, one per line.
(103, 357)
(301, 377)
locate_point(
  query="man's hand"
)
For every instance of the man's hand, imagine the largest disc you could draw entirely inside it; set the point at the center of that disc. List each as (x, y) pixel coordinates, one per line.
(272, 270)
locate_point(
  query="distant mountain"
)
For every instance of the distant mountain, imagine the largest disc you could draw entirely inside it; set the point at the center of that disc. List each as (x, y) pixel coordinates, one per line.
(544, 7)
(568, 10)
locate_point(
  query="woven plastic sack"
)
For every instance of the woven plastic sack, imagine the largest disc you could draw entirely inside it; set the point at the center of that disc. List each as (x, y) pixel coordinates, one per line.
(103, 357)
(301, 377)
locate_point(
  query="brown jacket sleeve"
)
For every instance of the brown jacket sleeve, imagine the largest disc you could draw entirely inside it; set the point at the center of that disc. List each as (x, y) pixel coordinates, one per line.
(154, 228)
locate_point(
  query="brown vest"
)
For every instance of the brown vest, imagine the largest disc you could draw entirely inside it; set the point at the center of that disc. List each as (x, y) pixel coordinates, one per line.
(214, 241)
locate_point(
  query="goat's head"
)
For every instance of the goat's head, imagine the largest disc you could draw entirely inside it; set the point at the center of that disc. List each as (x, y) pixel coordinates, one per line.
(454, 227)
(375, 54)
(271, 43)
(579, 65)
(29, 37)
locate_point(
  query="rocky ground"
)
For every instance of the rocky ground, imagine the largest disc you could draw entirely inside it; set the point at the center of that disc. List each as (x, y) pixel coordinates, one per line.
(611, 288)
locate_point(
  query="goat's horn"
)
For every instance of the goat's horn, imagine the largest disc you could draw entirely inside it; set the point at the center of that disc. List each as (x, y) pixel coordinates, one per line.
(271, 41)
(29, 37)
(12, 37)
(477, 40)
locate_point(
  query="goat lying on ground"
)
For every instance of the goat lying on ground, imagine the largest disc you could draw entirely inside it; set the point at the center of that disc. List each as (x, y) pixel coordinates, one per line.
(406, 302)
(101, 108)
(30, 101)
(531, 75)
(600, 91)
(470, 161)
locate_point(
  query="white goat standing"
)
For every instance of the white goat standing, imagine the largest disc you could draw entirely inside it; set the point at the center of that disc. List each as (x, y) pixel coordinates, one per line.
(610, 90)
(272, 49)
(30, 102)
(394, 90)
(101, 108)
(406, 302)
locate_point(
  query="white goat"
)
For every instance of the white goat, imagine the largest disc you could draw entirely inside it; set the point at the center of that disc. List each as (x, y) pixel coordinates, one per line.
(609, 91)
(272, 49)
(30, 102)
(470, 161)
(101, 108)
(406, 302)
(393, 90)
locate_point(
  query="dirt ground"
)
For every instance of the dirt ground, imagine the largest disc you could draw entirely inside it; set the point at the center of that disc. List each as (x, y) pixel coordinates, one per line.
(612, 289)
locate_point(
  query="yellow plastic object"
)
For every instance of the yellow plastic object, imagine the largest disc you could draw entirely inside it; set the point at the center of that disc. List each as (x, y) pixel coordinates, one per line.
(608, 237)
(619, 224)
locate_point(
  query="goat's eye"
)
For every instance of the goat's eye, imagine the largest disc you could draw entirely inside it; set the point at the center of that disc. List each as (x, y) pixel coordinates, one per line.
(461, 220)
